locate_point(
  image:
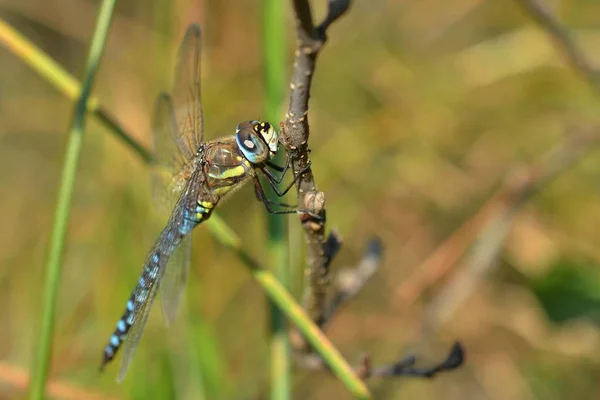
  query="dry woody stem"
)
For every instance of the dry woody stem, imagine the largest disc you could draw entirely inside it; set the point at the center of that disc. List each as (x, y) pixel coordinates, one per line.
(295, 134)
(321, 251)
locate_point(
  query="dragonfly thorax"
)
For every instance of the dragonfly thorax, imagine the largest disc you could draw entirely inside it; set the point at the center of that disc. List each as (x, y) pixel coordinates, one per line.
(257, 140)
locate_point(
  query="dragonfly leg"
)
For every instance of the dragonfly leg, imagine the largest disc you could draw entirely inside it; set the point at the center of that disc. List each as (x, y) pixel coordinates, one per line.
(273, 181)
(283, 170)
(277, 168)
(260, 194)
(262, 199)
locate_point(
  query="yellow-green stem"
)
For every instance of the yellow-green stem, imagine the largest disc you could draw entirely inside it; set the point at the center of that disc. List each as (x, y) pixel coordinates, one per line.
(292, 310)
(273, 54)
(61, 217)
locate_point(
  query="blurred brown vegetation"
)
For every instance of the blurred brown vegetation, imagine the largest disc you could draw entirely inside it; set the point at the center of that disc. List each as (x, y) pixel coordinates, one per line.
(420, 111)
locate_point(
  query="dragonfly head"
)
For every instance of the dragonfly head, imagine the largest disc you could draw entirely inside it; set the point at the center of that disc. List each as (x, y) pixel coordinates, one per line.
(258, 140)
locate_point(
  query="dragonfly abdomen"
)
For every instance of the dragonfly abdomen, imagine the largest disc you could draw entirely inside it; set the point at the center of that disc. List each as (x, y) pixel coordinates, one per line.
(169, 240)
(135, 301)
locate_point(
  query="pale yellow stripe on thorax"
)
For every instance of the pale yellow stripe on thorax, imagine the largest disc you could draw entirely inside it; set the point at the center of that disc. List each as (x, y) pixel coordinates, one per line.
(231, 172)
(226, 182)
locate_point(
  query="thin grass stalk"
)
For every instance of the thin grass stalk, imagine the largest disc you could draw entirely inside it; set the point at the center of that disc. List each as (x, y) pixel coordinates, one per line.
(273, 54)
(63, 207)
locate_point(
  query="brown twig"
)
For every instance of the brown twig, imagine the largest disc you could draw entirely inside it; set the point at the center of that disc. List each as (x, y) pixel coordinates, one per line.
(295, 134)
(350, 281)
(403, 367)
(541, 14)
(348, 284)
(406, 366)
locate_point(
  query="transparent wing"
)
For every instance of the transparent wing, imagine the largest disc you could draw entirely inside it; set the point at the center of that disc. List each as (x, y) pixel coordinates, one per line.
(186, 90)
(173, 282)
(171, 159)
(178, 124)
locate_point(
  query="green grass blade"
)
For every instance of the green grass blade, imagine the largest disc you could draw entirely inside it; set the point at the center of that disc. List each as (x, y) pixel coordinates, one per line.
(273, 54)
(44, 65)
(63, 206)
(292, 310)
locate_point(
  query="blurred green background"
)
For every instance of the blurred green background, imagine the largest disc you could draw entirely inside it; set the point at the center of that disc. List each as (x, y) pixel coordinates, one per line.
(419, 111)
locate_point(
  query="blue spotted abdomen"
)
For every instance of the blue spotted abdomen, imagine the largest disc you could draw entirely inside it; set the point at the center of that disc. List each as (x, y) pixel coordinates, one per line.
(135, 302)
(169, 238)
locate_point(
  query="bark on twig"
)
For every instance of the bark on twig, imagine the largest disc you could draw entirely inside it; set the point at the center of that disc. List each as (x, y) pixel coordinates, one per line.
(295, 134)
(320, 252)
(405, 366)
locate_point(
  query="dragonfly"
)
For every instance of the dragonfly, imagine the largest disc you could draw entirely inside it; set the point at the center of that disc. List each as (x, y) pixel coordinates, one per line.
(192, 177)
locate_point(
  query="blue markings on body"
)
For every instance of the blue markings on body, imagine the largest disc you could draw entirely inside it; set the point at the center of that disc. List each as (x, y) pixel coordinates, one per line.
(186, 225)
(153, 272)
(140, 297)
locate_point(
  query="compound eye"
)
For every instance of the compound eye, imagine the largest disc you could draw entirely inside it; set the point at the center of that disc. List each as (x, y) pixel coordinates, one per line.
(250, 143)
(246, 141)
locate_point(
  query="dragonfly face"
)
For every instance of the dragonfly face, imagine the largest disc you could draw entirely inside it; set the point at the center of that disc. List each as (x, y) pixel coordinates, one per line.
(257, 140)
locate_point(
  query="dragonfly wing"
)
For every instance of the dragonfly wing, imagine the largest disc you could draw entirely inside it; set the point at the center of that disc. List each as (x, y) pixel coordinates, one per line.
(173, 282)
(171, 161)
(176, 271)
(139, 322)
(187, 91)
(178, 124)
